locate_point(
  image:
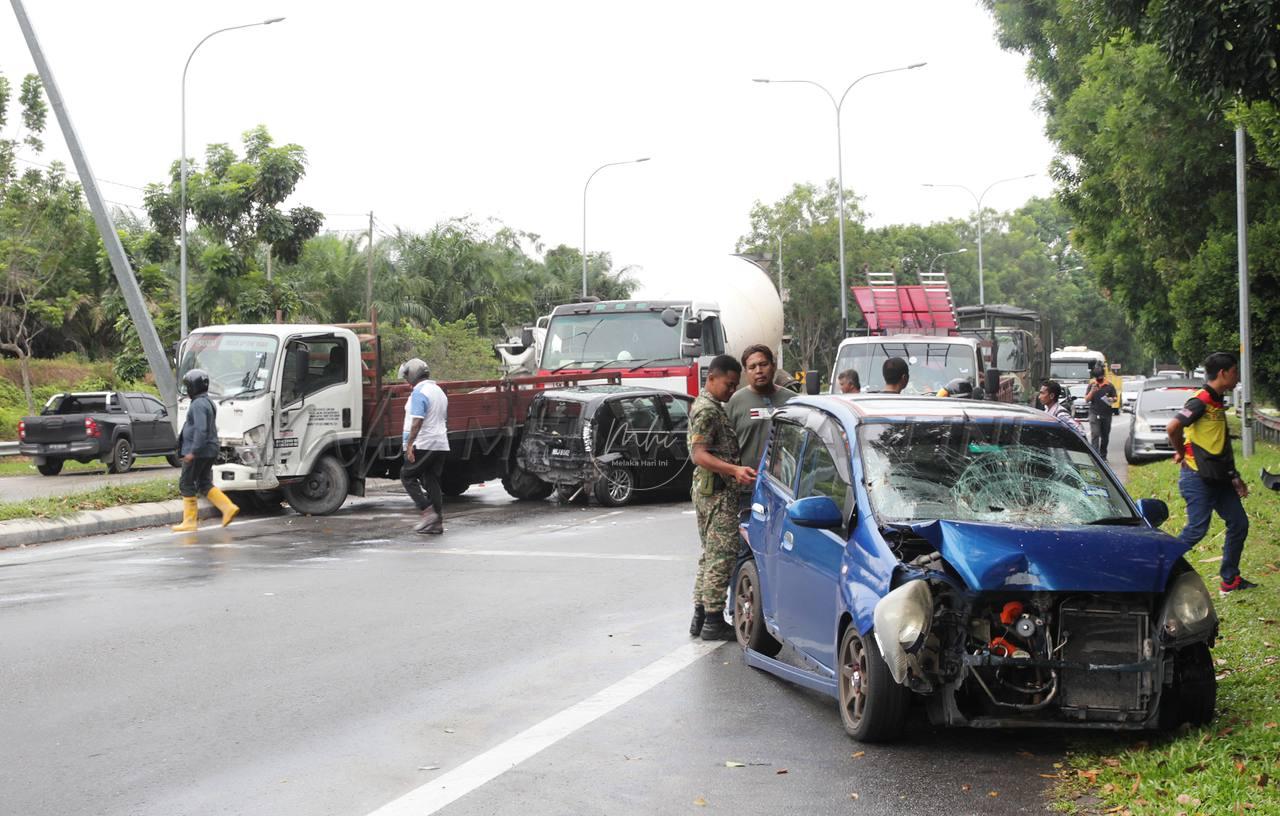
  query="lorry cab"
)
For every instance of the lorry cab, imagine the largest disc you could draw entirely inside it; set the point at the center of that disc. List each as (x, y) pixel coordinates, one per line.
(665, 342)
(284, 395)
(932, 360)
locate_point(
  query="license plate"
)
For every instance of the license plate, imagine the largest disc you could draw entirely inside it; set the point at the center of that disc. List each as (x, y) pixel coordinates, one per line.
(57, 446)
(559, 451)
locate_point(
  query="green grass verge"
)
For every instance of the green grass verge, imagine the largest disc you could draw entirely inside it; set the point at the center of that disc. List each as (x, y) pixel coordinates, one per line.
(136, 493)
(1231, 765)
(22, 466)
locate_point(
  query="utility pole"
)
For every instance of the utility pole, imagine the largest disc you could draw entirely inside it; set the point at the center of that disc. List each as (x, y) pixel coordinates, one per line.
(1245, 408)
(268, 261)
(368, 277)
(156, 357)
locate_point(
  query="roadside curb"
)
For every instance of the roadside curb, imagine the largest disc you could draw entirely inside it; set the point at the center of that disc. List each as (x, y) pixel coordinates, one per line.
(25, 532)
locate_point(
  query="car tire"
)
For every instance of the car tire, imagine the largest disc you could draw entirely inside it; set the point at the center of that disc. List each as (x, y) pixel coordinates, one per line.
(51, 467)
(616, 487)
(525, 486)
(873, 708)
(1193, 696)
(322, 491)
(748, 612)
(174, 460)
(121, 460)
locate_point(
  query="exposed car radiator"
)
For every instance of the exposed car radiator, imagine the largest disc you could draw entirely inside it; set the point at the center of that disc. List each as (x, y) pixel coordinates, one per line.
(1102, 636)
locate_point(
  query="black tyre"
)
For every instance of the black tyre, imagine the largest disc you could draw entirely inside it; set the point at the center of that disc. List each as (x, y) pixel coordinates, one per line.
(51, 467)
(1193, 697)
(872, 706)
(748, 613)
(523, 485)
(453, 485)
(616, 487)
(121, 456)
(174, 460)
(322, 491)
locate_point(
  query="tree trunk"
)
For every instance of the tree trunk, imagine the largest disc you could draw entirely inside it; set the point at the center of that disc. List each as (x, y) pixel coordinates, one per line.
(24, 364)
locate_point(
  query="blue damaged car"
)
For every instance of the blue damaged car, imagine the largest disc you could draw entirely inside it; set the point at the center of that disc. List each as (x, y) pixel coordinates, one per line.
(976, 558)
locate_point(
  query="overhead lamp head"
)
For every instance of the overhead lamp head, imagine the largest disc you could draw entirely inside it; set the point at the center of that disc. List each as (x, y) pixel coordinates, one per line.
(273, 20)
(917, 65)
(645, 159)
(761, 80)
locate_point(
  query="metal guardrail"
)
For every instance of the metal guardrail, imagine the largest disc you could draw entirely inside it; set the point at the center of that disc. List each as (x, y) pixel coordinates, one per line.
(8, 448)
(1266, 428)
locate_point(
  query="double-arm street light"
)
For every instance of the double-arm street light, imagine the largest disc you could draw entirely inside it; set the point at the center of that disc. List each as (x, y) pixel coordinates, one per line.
(935, 258)
(182, 212)
(977, 200)
(838, 105)
(584, 214)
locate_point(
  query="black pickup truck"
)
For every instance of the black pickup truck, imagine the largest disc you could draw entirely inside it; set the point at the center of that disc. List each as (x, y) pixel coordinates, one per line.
(112, 426)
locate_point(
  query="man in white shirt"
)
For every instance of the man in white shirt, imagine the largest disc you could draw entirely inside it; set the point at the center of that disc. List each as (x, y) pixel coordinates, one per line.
(426, 445)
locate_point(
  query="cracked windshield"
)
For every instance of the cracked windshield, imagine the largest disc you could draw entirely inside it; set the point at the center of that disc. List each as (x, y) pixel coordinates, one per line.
(238, 365)
(1021, 473)
(593, 339)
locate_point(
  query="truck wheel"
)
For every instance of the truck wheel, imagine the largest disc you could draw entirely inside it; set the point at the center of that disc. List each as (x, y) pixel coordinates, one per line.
(121, 456)
(51, 467)
(453, 485)
(174, 460)
(615, 487)
(322, 491)
(524, 486)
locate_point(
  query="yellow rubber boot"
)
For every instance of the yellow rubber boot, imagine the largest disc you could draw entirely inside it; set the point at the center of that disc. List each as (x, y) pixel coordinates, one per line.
(189, 521)
(220, 501)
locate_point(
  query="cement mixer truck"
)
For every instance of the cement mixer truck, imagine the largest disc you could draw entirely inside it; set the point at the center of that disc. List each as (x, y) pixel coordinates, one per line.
(667, 341)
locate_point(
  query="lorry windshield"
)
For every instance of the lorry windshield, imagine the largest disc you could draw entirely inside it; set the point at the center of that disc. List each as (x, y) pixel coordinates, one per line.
(1029, 473)
(591, 339)
(931, 365)
(1071, 369)
(239, 365)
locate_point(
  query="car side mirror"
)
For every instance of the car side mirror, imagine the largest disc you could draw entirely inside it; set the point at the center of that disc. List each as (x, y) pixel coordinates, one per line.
(526, 337)
(1155, 511)
(670, 318)
(817, 512)
(812, 382)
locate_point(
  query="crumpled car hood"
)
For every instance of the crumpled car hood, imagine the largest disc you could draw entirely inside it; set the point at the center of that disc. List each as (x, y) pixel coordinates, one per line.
(1069, 559)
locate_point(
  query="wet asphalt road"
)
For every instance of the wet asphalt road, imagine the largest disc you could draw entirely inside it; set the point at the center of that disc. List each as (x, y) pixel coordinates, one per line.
(290, 665)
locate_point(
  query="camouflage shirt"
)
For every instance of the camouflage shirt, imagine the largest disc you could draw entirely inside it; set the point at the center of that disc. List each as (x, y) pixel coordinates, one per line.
(710, 427)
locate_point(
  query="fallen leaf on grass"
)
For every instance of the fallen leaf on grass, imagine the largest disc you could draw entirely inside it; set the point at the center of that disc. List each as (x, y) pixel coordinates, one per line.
(1269, 725)
(1108, 788)
(1262, 780)
(1050, 776)
(1239, 766)
(1226, 731)
(1222, 661)
(1091, 776)
(1196, 768)
(731, 764)
(1111, 762)
(1136, 782)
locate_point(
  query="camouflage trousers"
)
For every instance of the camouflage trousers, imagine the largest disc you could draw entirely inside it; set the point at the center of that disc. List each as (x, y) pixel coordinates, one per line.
(718, 528)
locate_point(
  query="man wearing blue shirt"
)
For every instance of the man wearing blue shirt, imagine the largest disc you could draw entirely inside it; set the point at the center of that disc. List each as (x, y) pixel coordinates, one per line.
(426, 445)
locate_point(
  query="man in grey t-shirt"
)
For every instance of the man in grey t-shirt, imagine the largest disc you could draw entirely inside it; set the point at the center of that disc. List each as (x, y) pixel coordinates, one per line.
(751, 409)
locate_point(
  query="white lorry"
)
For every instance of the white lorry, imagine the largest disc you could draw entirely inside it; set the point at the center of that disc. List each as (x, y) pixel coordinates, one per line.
(303, 410)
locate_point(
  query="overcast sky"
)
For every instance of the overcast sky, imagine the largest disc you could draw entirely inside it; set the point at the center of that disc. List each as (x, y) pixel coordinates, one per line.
(426, 111)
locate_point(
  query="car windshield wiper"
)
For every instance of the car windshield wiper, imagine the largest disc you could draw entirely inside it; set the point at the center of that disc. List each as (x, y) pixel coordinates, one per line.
(599, 366)
(653, 360)
(563, 366)
(1119, 520)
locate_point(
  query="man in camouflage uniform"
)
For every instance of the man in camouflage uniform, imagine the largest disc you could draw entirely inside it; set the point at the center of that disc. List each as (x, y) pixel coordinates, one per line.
(718, 478)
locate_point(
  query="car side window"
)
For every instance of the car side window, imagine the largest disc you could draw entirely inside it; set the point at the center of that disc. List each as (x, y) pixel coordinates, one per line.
(313, 364)
(818, 473)
(155, 406)
(641, 413)
(678, 410)
(137, 405)
(784, 452)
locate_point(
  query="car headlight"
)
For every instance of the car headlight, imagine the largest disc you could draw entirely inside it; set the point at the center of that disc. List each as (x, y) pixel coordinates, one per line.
(902, 621)
(256, 436)
(1187, 607)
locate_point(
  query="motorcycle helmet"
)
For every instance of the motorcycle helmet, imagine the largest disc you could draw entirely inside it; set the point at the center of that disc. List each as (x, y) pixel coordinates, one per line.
(414, 371)
(196, 382)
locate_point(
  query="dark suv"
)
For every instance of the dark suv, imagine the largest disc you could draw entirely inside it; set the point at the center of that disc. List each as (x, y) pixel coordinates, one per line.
(614, 441)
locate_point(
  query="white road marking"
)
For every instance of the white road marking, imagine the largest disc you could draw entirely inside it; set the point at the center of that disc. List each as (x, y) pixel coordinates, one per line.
(554, 554)
(473, 773)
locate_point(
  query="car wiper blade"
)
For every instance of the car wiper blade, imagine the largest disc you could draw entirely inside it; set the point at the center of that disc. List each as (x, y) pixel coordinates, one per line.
(563, 366)
(1118, 520)
(653, 360)
(599, 366)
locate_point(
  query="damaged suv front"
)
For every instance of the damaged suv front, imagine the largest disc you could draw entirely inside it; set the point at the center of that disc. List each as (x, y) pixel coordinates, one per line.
(1029, 589)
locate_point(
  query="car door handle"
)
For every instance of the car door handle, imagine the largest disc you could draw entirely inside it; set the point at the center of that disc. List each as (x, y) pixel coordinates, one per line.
(758, 510)
(788, 542)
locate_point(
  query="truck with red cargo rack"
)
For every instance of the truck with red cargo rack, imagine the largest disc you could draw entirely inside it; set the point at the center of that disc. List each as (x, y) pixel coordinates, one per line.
(303, 410)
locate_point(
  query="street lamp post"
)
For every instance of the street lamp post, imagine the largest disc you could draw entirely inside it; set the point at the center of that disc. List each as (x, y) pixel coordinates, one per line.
(959, 251)
(182, 218)
(982, 294)
(584, 214)
(838, 105)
